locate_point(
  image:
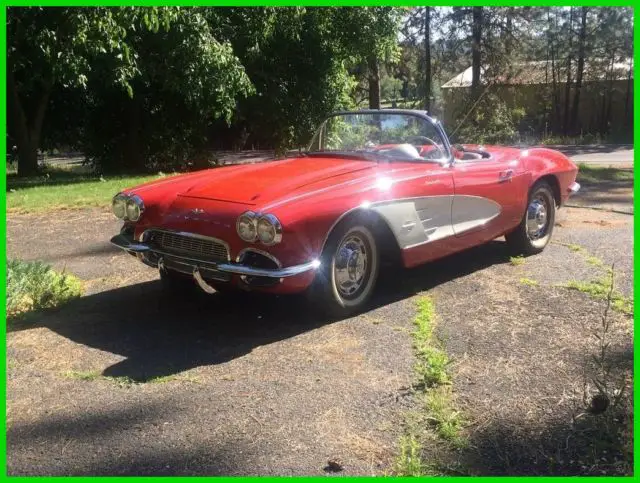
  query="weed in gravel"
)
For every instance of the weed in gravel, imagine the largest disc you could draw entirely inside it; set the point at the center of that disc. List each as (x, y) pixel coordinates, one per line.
(606, 421)
(122, 381)
(83, 375)
(35, 286)
(431, 366)
(529, 282)
(409, 461)
(438, 417)
(515, 261)
(599, 289)
(595, 261)
(446, 419)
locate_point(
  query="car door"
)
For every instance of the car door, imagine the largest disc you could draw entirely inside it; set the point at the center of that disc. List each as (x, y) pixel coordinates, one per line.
(488, 196)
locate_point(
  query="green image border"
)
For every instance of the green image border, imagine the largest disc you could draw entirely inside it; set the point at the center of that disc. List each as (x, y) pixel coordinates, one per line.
(3, 12)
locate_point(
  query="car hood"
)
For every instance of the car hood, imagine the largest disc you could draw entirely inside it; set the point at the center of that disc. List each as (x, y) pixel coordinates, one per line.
(263, 182)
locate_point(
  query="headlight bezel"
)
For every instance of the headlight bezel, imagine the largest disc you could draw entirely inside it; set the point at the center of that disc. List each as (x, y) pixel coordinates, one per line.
(274, 225)
(252, 219)
(128, 200)
(255, 219)
(122, 198)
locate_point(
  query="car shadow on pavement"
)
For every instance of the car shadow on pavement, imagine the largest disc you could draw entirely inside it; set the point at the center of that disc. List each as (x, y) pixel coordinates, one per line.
(162, 335)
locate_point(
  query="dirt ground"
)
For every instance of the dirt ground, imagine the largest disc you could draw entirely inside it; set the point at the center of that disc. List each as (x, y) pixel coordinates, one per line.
(124, 381)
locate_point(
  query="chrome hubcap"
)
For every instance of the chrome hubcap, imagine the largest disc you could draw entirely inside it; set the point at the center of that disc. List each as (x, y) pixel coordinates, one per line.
(537, 218)
(351, 265)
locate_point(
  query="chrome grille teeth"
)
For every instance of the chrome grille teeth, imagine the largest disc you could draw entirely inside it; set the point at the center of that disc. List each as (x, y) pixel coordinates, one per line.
(190, 245)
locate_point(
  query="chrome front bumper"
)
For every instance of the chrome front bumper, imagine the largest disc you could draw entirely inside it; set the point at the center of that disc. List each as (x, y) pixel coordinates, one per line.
(131, 246)
(574, 188)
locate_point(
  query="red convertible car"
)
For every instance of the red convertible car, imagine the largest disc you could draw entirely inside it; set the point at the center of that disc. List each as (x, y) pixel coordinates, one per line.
(373, 185)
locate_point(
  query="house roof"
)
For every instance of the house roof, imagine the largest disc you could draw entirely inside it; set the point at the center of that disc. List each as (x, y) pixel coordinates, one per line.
(539, 72)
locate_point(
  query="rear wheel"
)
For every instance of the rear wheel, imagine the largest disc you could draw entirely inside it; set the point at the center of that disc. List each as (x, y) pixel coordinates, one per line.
(348, 271)
(534, 231)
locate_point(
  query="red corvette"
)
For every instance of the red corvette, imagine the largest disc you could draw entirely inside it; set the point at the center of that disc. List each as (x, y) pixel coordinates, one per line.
(372, 185)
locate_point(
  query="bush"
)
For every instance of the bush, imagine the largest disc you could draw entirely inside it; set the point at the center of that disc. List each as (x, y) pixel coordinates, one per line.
(489, 121)
(35, 286)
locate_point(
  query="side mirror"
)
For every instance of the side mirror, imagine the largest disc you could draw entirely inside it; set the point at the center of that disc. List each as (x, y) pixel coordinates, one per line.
(458, 147)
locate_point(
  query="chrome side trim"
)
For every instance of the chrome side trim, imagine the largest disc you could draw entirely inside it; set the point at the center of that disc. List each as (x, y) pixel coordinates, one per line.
(129, 245)
(418, 220)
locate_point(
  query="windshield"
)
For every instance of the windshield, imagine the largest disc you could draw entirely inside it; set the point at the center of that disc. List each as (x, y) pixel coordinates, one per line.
(376, 135)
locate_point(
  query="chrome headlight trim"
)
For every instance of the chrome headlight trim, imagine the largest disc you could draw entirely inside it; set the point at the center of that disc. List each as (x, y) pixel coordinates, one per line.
(120, 198)
(138, 204)
(274, 224)
(251, 218)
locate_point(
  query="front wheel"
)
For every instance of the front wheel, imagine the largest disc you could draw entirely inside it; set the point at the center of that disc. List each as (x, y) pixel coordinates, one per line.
(348, 272)
(534, 231)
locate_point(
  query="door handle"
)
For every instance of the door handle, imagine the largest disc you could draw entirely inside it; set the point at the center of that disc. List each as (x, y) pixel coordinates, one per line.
(505, 176)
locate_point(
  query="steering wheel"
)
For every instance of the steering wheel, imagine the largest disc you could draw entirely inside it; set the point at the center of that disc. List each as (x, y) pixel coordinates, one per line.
(421, 140)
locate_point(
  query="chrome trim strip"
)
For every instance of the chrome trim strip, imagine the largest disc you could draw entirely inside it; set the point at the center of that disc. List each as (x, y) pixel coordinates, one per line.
(125, 244)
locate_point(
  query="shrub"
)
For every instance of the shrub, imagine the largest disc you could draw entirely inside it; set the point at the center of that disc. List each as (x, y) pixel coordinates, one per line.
(35, 286)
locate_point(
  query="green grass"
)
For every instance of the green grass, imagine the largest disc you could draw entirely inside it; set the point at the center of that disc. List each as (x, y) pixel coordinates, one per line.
(62, 189)
(599, 289)
(35, 286)
(515, 261)
(528, 281)
(437, 416)
(596, 174)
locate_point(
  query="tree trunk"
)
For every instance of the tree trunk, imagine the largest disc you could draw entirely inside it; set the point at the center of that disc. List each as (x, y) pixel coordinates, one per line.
(554, 78)
(427, 58)
(567, 88)
(627, 104)
(508, 45)
(374, 83)
(27, 130)
(476, 58)
(580, 70)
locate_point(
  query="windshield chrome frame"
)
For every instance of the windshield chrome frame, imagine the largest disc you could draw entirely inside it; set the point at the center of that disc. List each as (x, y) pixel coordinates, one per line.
(447, 160)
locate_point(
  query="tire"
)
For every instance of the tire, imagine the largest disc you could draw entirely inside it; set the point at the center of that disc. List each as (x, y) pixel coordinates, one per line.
(348, 272)
(534, 231)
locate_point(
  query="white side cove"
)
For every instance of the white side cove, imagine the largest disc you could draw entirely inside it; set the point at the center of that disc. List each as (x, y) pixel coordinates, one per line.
(417, 221)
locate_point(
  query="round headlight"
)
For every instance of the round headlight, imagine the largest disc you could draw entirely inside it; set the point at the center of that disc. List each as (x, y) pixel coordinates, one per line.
(135, 207)
(119, 206)
(246, 226)
(269, 230)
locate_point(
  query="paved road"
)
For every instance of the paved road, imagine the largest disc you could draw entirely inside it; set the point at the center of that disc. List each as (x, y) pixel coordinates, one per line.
(604, 154)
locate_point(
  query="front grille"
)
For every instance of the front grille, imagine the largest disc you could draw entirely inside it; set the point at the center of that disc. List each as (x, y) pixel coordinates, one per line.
(189, 245)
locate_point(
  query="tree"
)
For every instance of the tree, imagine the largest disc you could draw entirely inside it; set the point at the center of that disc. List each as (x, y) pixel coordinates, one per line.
(51, 47)
(476, 51)
(580, 68)
(427, 58)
